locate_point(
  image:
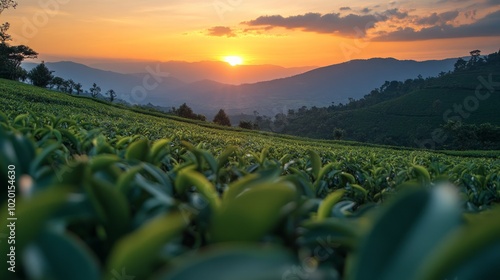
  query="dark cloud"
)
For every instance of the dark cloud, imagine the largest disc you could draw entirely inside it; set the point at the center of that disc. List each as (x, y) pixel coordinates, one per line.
(366, 10)
(334, 23)
(483, 2)
(221, 31)
(436, 18)
(471, 14)
(487, 26)
(345, 8)
(396, 13)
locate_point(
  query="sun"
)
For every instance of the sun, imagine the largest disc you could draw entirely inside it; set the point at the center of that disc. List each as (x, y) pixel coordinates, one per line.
(233, 60)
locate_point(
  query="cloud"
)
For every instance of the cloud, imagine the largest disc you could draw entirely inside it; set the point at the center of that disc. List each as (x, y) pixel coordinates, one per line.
(366, 10)
(471, 14)
(333, 23)
(345, 8)
(396, 13)
(436, 18)
(221, 31)
(487, 26)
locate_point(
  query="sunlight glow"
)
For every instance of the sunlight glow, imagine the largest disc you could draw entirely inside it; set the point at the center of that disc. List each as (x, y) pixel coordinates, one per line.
(233, 60)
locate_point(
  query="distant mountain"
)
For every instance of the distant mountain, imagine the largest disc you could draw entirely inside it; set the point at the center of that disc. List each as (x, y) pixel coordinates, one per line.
(206, 70)
(123, 84)
(319, 87)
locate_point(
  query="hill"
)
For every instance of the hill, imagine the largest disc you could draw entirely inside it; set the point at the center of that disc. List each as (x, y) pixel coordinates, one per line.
(414, 118)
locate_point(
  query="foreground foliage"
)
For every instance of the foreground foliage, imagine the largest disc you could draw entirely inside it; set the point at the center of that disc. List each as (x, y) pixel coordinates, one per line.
(101, 196)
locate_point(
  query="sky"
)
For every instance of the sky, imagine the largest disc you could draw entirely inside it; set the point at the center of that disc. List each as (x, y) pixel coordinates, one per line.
(283, 32)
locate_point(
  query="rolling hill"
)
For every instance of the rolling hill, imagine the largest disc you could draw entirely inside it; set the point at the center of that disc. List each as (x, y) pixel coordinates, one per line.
(416, 118)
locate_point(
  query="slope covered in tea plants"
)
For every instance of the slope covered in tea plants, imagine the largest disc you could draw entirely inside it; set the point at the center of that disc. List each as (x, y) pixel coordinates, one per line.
(102, 192)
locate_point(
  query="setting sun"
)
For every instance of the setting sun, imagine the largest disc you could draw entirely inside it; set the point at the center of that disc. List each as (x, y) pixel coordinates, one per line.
(233, 60)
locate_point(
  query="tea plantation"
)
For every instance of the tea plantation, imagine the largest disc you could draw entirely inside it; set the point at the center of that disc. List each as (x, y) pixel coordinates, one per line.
(99, 191)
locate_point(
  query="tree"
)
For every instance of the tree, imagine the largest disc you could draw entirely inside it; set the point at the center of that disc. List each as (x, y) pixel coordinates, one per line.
(338, 133)
(474, 57)
(78, 88)
(184, 111)
(5, 4)
(246, 125)
(57, 83)
(69, 86)
(40, 76)
(112, 95)
(222, 119)
(460, 65)
(4, 37)
(95, 90)
(12, 56)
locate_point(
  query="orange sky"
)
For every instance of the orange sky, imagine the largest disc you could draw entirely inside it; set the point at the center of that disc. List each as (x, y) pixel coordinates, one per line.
(315, 32)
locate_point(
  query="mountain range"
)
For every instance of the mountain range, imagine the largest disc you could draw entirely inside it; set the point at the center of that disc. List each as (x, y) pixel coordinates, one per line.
(216, 71)
(193, 83)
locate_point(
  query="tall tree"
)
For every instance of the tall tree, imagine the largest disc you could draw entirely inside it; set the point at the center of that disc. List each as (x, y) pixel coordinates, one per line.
(112, 95)
(78, 88)
(70, 86)
(5, 4)
(95, 90)
(222, 119)
(12, 56)
(246, 125)
(40, 76)
(184, 111)
(57, 83)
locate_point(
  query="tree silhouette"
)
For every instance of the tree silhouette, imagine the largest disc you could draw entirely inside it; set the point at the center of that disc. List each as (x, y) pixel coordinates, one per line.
(57, 83)
(460, 65)
(185, 111)
(338, 133)
(78, 88)
(246, 124)
(40, 76)
(12, 56)
(112, 95)
(222, 119)
(95, 90)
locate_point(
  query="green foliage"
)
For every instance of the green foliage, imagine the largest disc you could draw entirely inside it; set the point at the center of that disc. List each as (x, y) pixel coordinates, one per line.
(95, 90)
(105, 192)
(40, 76)
(11, 58)
(112, 95)
(184, 111)
(246, 125)
(222, 119)
(412, 112)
